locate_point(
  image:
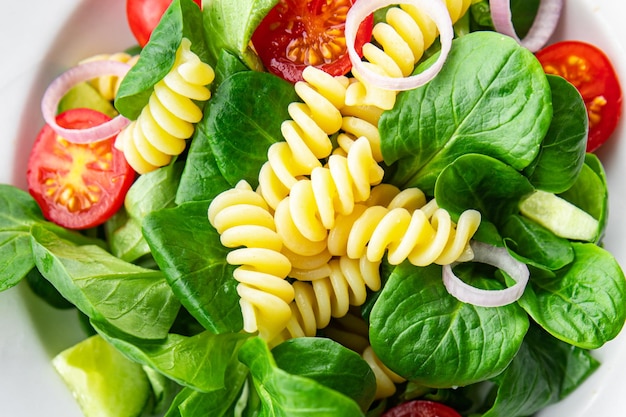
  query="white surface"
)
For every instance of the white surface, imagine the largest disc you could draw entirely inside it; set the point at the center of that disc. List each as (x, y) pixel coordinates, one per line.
(41, 38)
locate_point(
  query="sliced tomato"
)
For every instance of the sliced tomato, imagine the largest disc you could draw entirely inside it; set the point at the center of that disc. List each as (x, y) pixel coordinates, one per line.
(144, 15)
(591, 72)
(421, 408)
(299, 33)
(77, 186)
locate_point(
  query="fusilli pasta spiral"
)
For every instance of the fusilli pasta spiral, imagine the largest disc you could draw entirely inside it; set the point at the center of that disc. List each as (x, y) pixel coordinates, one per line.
(318, 298)
(242, 218)
(403, 38)
(169, 117)
(306, 135)
(107, 85)
(405, 229)
(312, 206)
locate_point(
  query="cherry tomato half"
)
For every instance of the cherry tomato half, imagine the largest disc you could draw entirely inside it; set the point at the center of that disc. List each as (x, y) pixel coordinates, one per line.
(299, 33)
(421, 408)
(77, 186)
(591, 72)
(144, 15)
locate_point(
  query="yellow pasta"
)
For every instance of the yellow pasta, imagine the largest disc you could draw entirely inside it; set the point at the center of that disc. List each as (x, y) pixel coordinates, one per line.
(318, 298)
(403, 38)
(306, 135)
(161, 130)
(108, 85)
(242, 218)
(386, 379)
(423, 235)
(312, 206)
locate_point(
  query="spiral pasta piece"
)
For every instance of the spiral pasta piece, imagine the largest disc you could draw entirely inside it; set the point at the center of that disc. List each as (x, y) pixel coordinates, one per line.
(357, 122)
(108, 85)
(306, 134)
(242, 218)
(321, 298)
(313, 204)
(161, 130)
(386, 379)
(403, 38)
(423, 235)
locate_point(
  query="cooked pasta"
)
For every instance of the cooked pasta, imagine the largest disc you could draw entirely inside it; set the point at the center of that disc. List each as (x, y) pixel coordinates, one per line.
(107, 85)
(357, 122)
(386, 379)
(313, 204)
(242, 218)
(322, 297)
(168, 119)
(403, 230)
(306, 135)
(403, 38)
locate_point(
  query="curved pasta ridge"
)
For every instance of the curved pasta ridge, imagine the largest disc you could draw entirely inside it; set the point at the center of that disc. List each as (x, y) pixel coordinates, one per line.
(305, 216)
(108, 85)
(306, 134)
(342, 283)
(400, 42)
(423, 235)
(164, 124)
(241, 217)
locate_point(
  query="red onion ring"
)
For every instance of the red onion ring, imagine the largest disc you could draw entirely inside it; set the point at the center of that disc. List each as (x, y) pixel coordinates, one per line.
(64, 82)
(542, 28)
(436, 10)
(501, 259)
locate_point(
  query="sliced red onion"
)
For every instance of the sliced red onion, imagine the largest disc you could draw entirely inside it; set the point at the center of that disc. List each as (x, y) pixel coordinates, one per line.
(542, 28)
(436, 10)
(501, 259)
(64, 82)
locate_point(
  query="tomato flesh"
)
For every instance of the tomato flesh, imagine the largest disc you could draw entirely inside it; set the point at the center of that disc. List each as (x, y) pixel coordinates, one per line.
(77, 186)
(421, 408)
(296, 34)
(591, 72)
(144, 15)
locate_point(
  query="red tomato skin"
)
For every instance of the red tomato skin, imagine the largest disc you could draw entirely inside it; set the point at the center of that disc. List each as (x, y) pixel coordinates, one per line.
(594, 77)
(144, 15)
(421, 408)
(286, 23)
(51, 165)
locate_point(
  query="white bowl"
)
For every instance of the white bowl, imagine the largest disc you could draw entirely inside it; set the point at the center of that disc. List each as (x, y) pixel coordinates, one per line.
(42, 38)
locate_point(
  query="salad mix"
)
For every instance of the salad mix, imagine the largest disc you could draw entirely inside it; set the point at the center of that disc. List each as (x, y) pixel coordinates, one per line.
(497, 130)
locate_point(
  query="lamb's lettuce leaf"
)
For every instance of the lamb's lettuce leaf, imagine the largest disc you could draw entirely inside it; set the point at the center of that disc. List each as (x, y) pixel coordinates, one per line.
(584, 303)
(491, 97)
(188, 250)
(182, 19)
(289, 395)
(18, 215)
(229, 26)
(426, 335)
(135, 300)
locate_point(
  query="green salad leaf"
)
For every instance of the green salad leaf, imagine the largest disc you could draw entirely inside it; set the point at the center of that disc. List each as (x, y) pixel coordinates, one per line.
(230, 25)
(135, 300)
(189, 252)
(289, 395)
(425, 334)
(491, 97)
(182, 19)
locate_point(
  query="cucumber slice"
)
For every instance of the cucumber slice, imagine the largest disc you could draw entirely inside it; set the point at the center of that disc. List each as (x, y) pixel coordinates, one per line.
(559, 216)
(104, 382)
